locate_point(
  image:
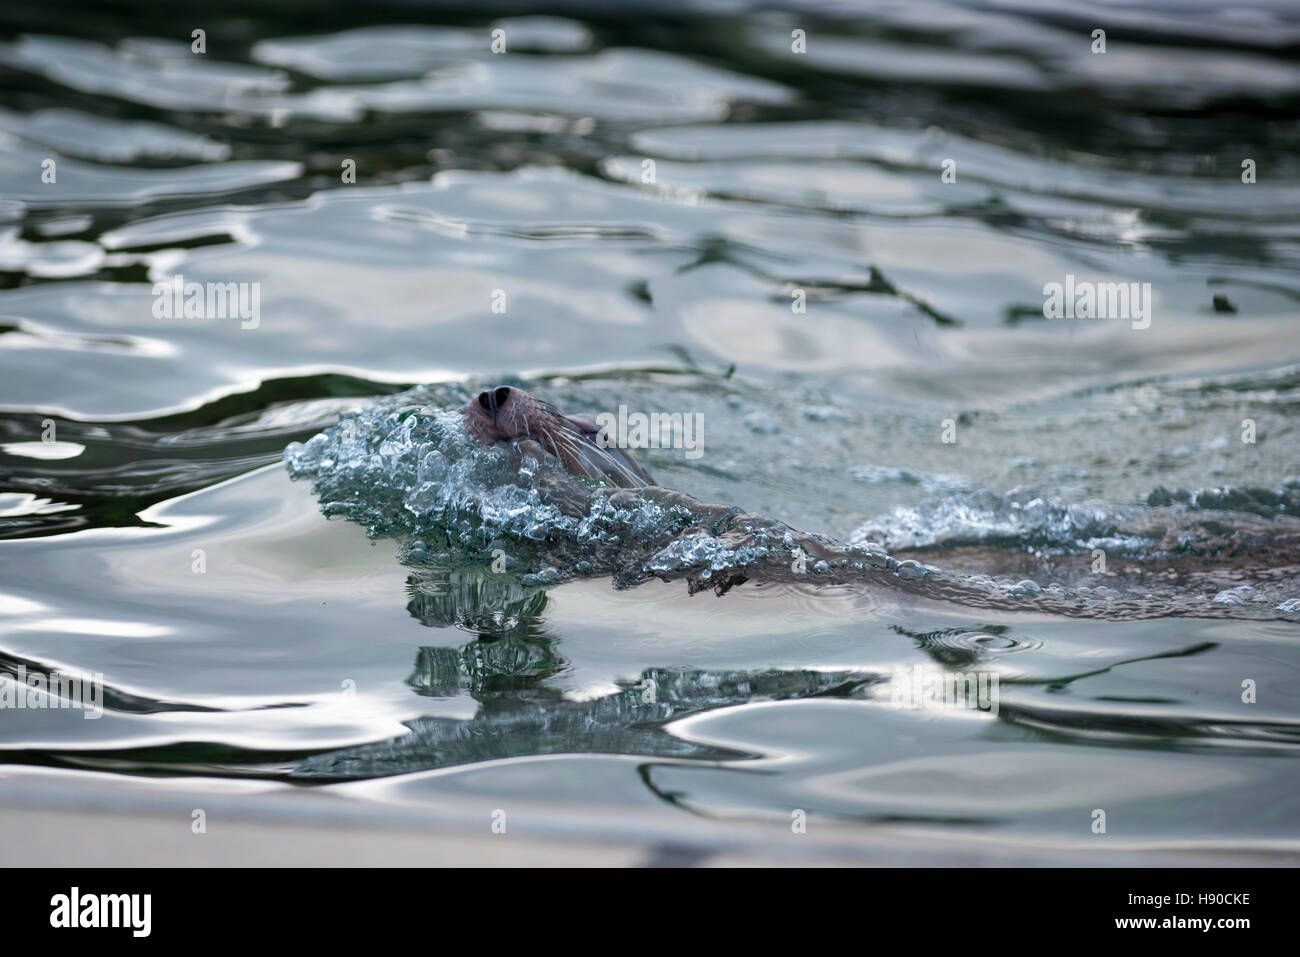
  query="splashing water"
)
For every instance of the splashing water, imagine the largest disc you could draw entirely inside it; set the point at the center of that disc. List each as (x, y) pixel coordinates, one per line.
(405, 467)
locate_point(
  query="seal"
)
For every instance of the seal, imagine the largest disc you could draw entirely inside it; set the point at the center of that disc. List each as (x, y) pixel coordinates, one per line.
(510, 417)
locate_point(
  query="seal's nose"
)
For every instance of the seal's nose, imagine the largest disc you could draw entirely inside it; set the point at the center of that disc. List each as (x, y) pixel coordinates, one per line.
(494, 400)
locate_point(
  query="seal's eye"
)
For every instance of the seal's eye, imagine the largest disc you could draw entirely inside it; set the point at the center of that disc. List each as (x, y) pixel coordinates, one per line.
(501, 394)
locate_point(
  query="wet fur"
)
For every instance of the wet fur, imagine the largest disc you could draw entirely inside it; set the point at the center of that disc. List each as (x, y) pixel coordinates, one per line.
(572, 440)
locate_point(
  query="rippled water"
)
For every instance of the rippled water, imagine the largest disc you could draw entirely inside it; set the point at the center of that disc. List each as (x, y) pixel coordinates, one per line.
(666, 209)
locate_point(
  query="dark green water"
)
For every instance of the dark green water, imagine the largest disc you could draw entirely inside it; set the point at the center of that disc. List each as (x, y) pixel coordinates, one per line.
(651, 195)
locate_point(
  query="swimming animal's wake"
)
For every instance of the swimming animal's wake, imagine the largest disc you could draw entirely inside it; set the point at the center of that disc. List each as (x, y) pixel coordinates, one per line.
(406, 467)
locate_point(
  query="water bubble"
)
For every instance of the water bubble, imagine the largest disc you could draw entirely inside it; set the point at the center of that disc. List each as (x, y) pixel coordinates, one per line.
(910, 570)
(1024, 587)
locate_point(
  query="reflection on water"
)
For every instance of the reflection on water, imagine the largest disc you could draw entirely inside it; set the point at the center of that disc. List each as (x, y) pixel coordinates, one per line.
(836, 256)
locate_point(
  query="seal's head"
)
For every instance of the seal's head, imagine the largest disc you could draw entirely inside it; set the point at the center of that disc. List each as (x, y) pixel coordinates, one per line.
(506, 416)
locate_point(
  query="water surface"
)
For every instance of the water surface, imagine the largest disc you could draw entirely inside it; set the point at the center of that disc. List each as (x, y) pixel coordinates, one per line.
(248, 642)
